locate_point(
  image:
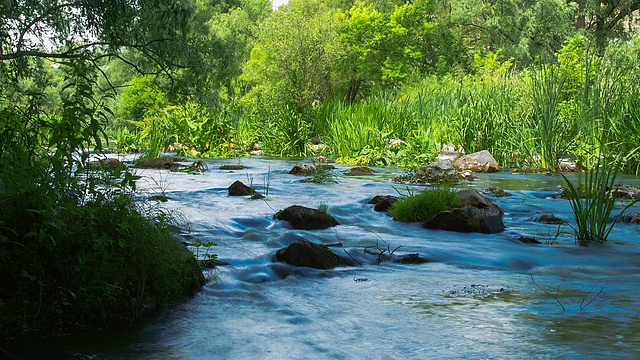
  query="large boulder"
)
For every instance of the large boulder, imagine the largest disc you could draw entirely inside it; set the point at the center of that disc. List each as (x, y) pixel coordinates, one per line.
(475, 214)
(305, 218)
(437, 171)
(481, 161)
(309, 254)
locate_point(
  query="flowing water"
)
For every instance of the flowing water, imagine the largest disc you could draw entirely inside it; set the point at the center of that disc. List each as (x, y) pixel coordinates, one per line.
(481, 297)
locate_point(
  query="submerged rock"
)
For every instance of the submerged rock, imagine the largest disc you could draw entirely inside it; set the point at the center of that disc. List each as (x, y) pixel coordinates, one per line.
(475, 214)
(629, 219)
(548, 219)
(232, 167)
(107, 164)
(411, 259)
(626, 192)
(305, 218)
(528, 240)
(309, 254)
(481, 161)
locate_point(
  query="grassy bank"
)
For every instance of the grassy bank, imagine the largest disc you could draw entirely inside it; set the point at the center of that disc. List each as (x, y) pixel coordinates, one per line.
(91, 261)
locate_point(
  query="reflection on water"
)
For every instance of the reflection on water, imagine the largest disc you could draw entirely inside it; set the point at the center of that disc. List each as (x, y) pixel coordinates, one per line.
(483, 296)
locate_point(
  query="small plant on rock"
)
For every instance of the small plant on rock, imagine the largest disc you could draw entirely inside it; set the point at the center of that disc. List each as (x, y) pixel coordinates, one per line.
(424, 205)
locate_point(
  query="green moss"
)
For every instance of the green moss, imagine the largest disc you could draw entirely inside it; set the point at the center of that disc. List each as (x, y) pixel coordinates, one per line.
(424, 205)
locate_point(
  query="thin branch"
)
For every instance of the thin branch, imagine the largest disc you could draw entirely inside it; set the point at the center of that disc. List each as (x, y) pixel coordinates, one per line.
(555, 297)
(345, 250)
(582, 304)
(38, 19)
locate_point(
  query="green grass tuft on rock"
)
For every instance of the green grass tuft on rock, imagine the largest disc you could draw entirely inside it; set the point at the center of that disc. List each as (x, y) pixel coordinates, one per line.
(424, 205)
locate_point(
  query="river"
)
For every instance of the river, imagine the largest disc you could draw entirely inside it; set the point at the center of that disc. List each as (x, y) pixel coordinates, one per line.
(481, 296)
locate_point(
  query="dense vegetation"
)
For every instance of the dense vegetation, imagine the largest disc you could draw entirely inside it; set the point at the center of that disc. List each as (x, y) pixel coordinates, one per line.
(528, 81)
(75, 248)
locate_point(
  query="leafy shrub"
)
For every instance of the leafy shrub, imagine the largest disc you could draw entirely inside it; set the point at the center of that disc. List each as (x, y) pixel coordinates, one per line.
(98, 262)
(424, 205)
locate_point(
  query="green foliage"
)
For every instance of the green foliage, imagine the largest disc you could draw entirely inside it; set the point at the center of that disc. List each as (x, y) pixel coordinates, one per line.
(99, 262)
(141, 98)
(322, 175)
(75, 249)
(592, 201)
(295, 54)
(361, 133)
(423, 205)
(549, 135)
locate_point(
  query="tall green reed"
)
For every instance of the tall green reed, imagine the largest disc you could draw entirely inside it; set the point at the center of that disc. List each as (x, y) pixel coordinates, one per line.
(547, 135)
(592, 200)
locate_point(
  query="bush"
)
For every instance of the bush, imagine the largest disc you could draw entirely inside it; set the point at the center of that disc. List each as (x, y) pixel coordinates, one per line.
(97, 261)
(424, 205)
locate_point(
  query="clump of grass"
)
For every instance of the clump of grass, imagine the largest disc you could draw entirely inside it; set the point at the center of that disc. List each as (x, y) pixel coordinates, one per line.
(322, 175)
(424, 205)
(592, 201)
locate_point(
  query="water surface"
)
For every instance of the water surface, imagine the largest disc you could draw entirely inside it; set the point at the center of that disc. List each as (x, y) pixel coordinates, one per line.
(482, 296)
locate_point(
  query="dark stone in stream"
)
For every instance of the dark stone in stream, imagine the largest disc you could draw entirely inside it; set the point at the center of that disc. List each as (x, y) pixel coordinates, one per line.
(305, 218)
(496, 192)
(240, 189)
(476, 214)
(411, 259)
(548, 219)
(158, 163)
(303, 169)
(629, 219)
(626, 192)
(382, 202)
(359, 171)
(528, 240)
(106, 164)
(232, 167)
(309, 254)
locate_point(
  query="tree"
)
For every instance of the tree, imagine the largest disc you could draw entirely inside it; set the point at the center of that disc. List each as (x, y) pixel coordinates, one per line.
(524, 30)
(296, 53)
(384, 49)
(69, 30)
(607, 19)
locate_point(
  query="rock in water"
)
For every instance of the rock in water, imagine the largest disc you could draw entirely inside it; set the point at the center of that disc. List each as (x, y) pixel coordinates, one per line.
(240, 189)
(309, 254)
(475, 214)
(481, 161)
(305, 218)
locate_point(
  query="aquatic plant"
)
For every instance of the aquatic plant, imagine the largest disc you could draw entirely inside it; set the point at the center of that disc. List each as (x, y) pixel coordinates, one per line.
(323, 174)
(423, 205)
(592, 201)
